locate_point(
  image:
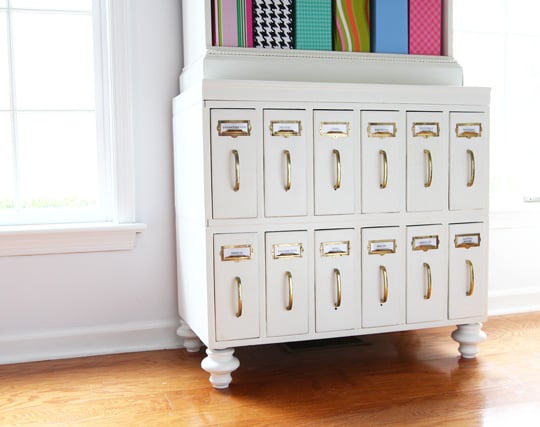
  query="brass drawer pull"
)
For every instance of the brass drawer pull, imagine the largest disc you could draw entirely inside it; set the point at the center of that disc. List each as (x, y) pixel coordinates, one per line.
(337, 185)
(238, 296)
(384, 273)
(429, 164)
(338, 287)
(236, 171)
(470, 269)
(384, 157)
(290, 286)
(288, 161)
(427, 270)
(472, 168)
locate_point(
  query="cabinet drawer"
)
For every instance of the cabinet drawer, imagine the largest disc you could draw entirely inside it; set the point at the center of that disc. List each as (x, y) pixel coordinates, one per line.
(336, 160)
(383, 161)
(235, 134)
(285, 173)
(467, 270)
(236, 289)
(337, 281)
(383, 277)
(286, 283)
(427, 273)
(469, 174)
(427, 161)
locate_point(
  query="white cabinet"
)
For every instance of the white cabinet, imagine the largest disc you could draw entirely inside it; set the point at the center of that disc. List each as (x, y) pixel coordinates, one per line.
(383, 278)
(336, 159)
(468, 270)
(285, 157)
(383, 161)
(427, 273)
(308, 211)
(287, 289)
(337, 282)
(427, 161)
(234, 167)
(236, 286)
(469, 159)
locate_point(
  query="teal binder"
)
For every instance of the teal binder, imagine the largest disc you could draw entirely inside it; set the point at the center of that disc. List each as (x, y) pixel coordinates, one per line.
(313, 24)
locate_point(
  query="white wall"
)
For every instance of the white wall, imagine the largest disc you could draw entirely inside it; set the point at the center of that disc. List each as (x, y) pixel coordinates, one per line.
(77, 304)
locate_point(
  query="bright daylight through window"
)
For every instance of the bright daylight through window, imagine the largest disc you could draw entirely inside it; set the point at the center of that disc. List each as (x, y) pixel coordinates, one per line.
(54, 144)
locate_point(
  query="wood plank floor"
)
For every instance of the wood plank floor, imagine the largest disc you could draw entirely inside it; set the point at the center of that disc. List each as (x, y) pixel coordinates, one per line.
(407, 378)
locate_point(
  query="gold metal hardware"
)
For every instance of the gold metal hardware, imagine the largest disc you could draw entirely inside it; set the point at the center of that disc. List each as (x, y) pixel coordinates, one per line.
(382, 247)
(472, 168)
(335, 129)
(238, 296)
(285, 128)
(384, 182)
(337, 185)
(290, 285)
(335, 249)
(469, 130)
(384, 273)
(288, 161)
(236, 252)
(236, 171)
(287, 250)
(470, 269)
(234, 128)
(467, 241)
(427, 270)
(338, 287)
(426, 130)
(429, 161)
(425, 243)
(382, 130)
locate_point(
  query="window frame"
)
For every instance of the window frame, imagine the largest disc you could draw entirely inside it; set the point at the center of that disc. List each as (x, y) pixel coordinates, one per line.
(118, 233)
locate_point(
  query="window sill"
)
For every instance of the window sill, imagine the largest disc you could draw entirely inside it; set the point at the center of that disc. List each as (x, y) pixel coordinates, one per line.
(68, 238)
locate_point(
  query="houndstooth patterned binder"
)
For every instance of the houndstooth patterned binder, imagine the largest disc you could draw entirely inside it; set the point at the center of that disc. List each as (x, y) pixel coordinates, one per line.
(273, 24)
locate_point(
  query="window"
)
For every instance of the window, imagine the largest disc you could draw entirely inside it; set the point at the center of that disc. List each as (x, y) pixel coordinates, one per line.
(55, 145)
(497, 42)
(66, 155)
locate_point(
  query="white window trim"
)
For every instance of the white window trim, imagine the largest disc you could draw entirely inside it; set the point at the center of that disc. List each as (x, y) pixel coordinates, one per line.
(121, 232)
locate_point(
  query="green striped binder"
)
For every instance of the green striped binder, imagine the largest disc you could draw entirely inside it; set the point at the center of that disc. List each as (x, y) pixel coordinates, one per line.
(313, 24)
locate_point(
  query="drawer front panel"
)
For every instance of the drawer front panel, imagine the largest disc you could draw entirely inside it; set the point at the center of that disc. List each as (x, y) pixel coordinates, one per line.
(427, 161)
(427, 273)
(337, 281)
(236, 286)
(287, 283)
(467, 270)
(383, 277)
(469, 151)
(235, 135)
(285, 172)
(336, 160)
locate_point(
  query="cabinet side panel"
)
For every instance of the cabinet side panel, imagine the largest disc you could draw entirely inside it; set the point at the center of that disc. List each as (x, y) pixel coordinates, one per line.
(197, 29)
(191, 243)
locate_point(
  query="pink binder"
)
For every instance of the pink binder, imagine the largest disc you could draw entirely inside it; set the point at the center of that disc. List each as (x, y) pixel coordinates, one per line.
(425, 19)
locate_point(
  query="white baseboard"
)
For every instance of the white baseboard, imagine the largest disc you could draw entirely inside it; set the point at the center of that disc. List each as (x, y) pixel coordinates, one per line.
(508, 301)
(89, 341)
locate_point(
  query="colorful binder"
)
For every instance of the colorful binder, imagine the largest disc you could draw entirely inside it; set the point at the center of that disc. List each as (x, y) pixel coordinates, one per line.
(313, 24)
(390, 26)
(351, 25)
(273, 25)
(425, 18)
(232, 23)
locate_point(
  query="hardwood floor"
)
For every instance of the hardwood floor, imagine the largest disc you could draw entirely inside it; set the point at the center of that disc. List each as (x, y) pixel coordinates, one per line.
(407, 378)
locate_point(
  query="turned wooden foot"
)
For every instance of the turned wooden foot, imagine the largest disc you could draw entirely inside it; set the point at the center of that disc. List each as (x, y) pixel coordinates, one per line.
(469, 336)
(219, 364)
(192, 343)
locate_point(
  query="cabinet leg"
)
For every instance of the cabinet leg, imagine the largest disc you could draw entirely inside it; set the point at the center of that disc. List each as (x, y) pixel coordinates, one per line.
(192, 343)
(469, 336)
(219, 364)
